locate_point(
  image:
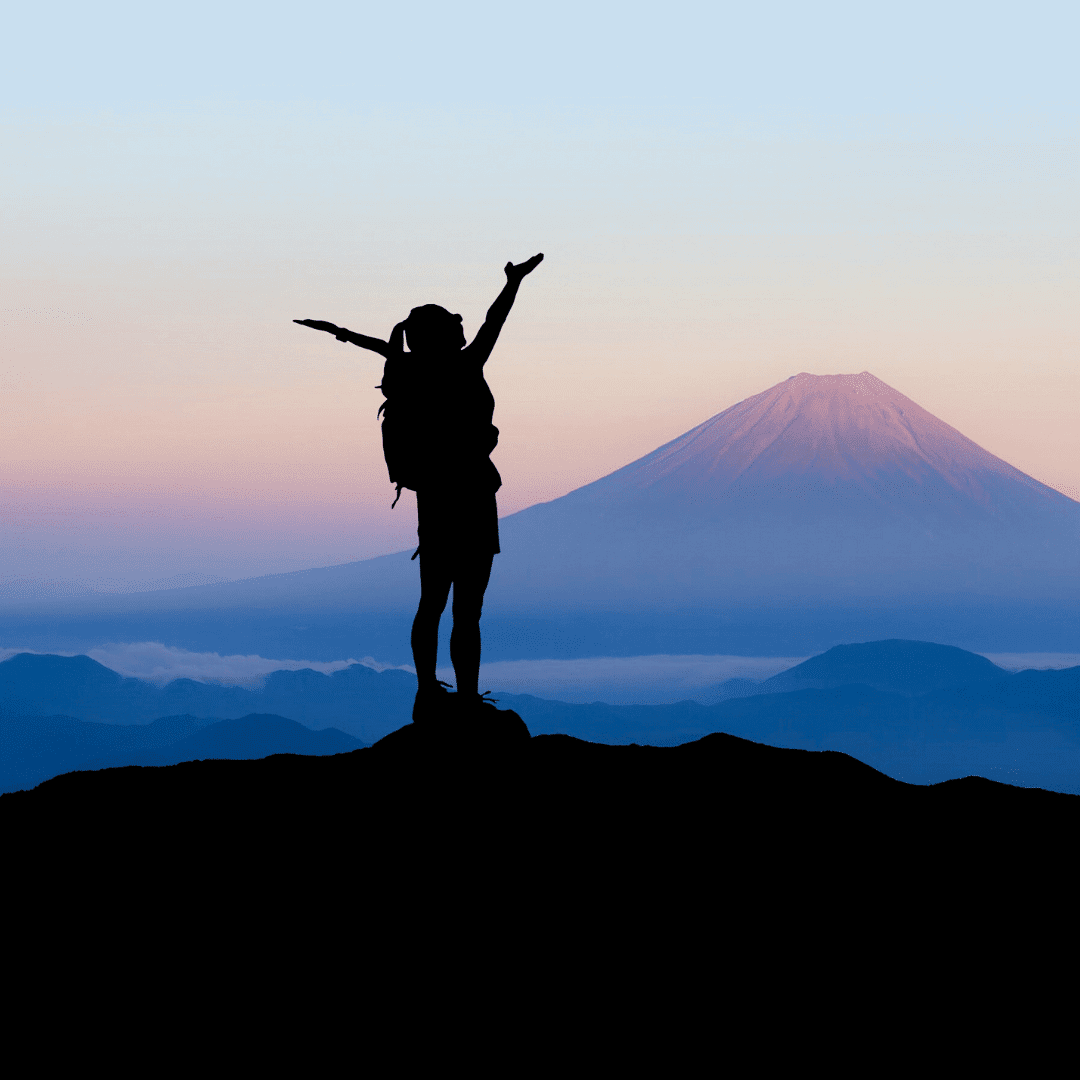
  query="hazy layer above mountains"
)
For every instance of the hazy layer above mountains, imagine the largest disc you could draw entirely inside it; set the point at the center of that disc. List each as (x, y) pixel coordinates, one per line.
(825, 509)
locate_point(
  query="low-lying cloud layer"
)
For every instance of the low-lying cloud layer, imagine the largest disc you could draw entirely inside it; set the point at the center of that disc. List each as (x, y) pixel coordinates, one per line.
(1041, 661)
(162, 663)
(158, 663)
(626, 680)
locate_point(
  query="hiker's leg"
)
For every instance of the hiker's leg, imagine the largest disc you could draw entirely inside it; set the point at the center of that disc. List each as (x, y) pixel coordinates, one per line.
(470, 583)
(435, 578)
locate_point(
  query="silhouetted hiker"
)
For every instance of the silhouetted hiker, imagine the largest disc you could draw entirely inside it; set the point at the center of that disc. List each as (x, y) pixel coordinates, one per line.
(437, 438)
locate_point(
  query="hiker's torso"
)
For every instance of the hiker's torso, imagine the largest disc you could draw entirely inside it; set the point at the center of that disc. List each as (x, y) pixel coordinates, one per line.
(452, 407)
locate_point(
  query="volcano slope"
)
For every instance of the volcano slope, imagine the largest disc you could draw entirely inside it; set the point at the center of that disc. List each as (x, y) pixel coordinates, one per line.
(827, 501)
(825, 509)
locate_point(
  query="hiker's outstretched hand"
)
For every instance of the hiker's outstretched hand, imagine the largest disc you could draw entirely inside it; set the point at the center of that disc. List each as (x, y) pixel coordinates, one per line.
(328, 327)
(516, 273)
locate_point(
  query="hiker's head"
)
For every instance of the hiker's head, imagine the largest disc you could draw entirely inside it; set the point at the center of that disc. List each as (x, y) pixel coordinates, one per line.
(432, 329)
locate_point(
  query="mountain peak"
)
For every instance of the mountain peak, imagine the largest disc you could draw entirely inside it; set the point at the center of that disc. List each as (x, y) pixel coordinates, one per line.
(832, 487)
(817, 438)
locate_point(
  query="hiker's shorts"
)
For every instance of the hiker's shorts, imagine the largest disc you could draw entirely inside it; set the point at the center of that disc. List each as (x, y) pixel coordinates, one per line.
(453, 521)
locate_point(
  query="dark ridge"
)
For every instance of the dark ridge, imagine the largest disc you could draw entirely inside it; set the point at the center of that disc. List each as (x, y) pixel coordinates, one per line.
(254, 736)
(425, 814)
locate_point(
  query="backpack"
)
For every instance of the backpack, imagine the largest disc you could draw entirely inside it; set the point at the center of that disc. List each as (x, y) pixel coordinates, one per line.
(414, 415)
(402, 427)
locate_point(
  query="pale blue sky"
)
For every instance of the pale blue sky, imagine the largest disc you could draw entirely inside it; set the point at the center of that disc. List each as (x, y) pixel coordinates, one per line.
(777, 64)
(726, 197)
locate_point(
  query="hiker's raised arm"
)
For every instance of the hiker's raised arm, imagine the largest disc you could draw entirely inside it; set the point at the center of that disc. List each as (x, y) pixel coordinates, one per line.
(383, 348)
(485, 340)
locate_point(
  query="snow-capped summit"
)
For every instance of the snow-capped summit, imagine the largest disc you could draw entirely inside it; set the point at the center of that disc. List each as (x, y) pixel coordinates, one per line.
(818, 434)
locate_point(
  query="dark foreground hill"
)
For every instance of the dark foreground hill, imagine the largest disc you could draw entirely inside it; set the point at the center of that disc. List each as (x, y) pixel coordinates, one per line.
(409, 823)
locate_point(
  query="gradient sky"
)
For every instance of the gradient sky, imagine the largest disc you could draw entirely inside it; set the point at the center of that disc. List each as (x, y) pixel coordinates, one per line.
(725, 198)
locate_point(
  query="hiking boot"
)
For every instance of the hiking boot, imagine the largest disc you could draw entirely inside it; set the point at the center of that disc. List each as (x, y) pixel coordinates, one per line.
(488, 722)
(432, 701)
(473, 706)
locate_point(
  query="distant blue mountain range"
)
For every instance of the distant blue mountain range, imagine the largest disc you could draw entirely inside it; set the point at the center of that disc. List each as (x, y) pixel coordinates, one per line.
(915, 710)
(358, 700)
(902, 667)
(35, 748)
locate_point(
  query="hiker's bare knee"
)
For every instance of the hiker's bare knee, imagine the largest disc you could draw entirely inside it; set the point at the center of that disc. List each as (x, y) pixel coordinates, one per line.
(467, 607)
(434, 592)
(431, 607)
